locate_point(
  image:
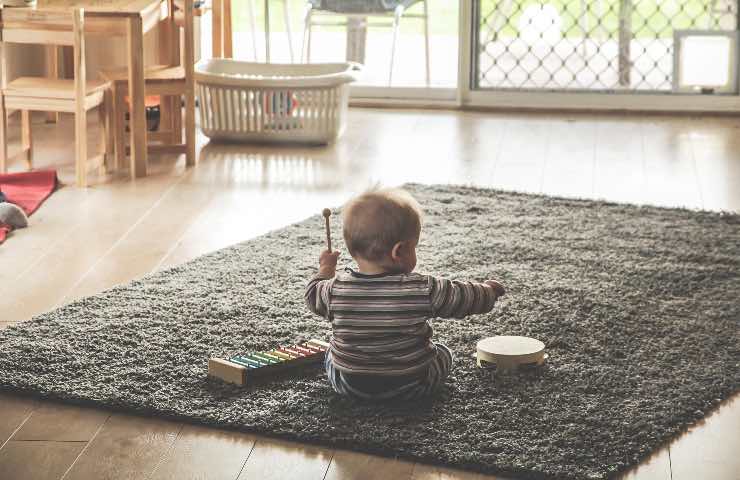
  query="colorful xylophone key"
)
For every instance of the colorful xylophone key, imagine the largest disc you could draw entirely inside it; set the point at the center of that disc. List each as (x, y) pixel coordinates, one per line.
(239, 369)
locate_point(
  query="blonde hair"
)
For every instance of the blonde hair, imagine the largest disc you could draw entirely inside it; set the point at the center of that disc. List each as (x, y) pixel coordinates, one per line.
(378, 219)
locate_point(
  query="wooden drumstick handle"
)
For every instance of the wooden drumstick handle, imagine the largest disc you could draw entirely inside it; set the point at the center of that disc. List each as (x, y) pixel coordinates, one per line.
(327, 214)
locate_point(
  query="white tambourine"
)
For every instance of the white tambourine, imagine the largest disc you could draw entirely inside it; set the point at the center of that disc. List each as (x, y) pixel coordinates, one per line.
(508, 352)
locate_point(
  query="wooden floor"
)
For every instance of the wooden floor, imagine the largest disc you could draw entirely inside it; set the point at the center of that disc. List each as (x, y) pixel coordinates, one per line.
(84, 241)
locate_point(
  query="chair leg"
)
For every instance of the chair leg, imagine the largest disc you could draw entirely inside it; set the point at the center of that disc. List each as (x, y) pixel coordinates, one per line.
(119, 127)
(81, 146)
(288, 32)
(165, 115)
(177, 114)
(106, 143)
(306, 47)
(52, 71)
(26, 137)
(190, 128)
(426, 41)
(3, 137)
(396, 21)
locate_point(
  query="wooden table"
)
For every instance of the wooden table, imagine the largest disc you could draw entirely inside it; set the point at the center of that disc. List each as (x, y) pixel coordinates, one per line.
(125, 18)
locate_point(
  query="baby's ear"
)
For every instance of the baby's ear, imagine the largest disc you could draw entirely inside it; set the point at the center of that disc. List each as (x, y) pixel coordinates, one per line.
(397, 251)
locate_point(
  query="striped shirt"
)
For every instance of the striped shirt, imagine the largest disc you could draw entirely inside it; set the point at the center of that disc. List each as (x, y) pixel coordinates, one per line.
(380, 323)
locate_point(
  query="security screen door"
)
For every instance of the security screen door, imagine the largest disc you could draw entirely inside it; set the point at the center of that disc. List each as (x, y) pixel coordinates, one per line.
(605, 46)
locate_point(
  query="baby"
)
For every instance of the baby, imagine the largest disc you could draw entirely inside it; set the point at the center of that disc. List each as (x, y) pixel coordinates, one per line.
(381, 345)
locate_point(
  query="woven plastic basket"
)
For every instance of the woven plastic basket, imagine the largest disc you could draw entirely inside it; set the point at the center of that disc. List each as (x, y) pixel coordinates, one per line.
(282, 103)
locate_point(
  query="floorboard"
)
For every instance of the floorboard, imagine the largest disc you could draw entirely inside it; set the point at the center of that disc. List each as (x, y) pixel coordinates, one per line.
(82, 241)
(710, 448)
(656, 467)
(273, 459)
(61, 423)
(125, 447)
(346, 464)
(205, 453)
(42, 460)
(14, 411)
(429, 472)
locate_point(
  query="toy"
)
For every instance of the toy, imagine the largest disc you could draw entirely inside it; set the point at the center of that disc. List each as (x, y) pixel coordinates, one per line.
(327, 213)
(279, 110)
(508, 353)
(239, 369)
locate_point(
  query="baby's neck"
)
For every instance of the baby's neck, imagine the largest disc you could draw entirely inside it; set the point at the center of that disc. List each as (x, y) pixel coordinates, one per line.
(371, 268)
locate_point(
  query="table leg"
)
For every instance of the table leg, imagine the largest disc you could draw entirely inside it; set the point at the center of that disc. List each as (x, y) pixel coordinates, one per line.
(189, 47)
(217, 38)
(137, 93)
(3, 135)
(227, 34)
(166, 30)
(3, 112)
(169, 54)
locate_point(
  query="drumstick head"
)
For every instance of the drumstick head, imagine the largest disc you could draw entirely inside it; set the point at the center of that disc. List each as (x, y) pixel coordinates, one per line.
(326, 213)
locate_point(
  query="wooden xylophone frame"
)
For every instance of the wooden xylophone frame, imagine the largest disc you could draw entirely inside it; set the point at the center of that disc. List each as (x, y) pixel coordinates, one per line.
(239, 369)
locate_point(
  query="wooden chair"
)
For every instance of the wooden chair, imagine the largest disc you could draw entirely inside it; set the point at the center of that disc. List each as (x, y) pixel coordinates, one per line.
(360, 10)
(170, 82)
(78, 95)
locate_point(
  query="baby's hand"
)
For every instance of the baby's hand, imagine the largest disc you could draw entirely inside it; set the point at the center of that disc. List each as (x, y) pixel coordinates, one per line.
(497, 287)
(328, 262)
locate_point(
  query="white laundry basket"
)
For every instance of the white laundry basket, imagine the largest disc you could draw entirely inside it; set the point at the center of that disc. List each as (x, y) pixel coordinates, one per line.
(258, 102)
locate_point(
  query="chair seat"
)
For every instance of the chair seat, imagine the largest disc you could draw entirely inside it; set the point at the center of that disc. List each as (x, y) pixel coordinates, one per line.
(354, 7)
(153, 74)
(53, 88)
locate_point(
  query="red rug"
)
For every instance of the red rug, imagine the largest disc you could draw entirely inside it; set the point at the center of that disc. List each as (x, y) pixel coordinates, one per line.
(27, 190)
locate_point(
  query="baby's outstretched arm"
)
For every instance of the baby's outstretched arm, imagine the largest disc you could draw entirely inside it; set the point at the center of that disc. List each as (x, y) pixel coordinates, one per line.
(319, 287)
(458, 299)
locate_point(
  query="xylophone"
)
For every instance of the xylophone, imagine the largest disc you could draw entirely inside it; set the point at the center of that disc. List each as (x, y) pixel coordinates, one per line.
(239, 369)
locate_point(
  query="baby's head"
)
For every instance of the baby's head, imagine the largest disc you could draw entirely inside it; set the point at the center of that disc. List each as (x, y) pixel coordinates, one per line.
(382, 228)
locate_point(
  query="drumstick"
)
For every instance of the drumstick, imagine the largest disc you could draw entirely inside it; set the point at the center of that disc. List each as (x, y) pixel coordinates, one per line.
(327, 214)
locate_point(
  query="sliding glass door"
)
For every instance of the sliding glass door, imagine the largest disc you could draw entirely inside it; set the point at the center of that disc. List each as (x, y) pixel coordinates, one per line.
(402, 43)
(589, 54)
(544, 53)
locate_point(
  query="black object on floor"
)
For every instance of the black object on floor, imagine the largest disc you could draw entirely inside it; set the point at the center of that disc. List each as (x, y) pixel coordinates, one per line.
(638, 308)
(153, 114)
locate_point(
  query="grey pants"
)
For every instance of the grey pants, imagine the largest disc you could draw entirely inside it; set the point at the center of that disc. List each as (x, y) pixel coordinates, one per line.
(417, 387)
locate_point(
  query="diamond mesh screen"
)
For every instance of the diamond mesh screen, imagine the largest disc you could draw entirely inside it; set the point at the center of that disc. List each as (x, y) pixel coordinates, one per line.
(588, 44)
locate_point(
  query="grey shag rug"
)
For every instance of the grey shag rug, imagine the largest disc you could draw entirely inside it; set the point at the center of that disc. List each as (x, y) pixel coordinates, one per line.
(639, 308)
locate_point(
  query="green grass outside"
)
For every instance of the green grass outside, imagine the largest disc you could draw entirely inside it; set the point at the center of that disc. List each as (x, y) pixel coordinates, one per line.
(650, 18)
(676, 14)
